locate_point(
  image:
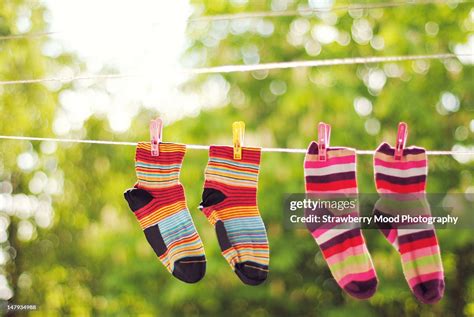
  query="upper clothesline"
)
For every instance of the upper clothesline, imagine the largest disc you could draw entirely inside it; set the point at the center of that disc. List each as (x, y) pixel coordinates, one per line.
(206, 147)
(252, 67)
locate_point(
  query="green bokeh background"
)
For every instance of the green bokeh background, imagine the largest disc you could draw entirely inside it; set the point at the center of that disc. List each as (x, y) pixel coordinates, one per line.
(93, 258)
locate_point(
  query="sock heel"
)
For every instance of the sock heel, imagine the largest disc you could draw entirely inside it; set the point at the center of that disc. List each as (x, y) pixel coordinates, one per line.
(211, 197)
(137, 198)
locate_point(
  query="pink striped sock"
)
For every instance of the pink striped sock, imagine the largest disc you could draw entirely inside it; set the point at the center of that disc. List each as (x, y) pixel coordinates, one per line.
(401, 185)
(343, 247)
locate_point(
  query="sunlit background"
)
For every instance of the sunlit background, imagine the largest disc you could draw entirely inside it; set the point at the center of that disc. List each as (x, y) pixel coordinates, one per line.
(146, 39)
(136, 40)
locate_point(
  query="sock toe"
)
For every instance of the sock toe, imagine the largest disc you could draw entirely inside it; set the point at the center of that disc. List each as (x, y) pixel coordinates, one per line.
(190, 269)
(251, 273)
(362, 289)
(429, 292)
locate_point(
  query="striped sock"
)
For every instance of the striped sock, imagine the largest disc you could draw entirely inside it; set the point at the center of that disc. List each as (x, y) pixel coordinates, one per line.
(229, 202)
(401, 185)
(343, 246)
(159, 204)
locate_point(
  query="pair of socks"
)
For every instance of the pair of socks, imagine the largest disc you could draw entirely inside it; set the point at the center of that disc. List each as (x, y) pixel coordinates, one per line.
(401, 185)
(229, 202)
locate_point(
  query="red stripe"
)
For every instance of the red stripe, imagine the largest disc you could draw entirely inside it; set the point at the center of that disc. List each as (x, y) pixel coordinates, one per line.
(227, 152)
(166, 192)
(419, 244)
(168, 160)
(341, 247)
(404, 189)
(232, 202)
(162, 197)
(230, 190)
(338, 160)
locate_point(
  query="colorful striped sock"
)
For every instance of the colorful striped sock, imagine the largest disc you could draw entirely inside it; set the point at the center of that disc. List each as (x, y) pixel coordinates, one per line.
(401, 185)
(159, 204)
(229, 202)
(343, 246)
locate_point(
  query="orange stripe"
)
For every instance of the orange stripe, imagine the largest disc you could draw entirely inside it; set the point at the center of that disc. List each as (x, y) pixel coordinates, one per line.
(156, 171)
(164, 147)
(230, 182)
(233, 167)
(235, 212)
(162, 213)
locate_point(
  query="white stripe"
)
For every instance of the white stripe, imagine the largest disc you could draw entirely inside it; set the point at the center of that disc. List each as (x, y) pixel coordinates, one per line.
(333, 169)
(416, 171)
(335, 231)
(395, 243)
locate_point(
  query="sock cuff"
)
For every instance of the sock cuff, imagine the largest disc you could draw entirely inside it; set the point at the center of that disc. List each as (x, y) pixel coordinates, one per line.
(250, 155)
(412, 153)
(158, 171)
(335, 156)
(335, 175)
(169, 152)
(222, 168)
(404, 176)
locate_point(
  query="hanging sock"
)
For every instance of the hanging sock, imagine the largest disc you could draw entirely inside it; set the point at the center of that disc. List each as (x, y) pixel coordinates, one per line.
(159, 204)
(401, 185)
(229, 202)
(342, 245)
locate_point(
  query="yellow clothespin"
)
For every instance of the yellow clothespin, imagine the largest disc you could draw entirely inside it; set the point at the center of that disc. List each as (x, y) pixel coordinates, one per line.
(238, 131)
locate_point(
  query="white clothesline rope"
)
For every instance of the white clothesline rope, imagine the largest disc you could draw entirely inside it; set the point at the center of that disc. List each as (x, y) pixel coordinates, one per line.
(307, 10)
(249, 68)
(27, 35)
(270, 14)
(206, 147)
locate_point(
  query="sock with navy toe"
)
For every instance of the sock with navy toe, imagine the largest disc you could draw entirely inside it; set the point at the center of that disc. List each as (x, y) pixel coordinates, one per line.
(159, 204)
(401, 185)
(229, 202)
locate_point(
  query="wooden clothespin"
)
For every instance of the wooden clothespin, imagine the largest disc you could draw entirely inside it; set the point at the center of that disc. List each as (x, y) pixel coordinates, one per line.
(156, 134)
(238, 131)
(402, 135)
(324, 136)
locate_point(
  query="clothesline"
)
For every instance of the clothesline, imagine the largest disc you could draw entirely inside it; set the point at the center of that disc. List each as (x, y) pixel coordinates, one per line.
(206, 147)
(270, 14)
(303, 11)
(253, 67)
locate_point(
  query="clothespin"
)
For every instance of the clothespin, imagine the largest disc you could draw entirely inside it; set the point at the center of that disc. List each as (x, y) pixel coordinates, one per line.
(324, 136)
(156, 134)
(402, 135)
(238, 131)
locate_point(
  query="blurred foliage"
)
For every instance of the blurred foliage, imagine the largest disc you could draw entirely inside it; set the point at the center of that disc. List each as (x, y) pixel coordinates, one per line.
(70, 244)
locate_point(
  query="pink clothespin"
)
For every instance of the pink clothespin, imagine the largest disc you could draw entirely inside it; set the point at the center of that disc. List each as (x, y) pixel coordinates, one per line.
(156, 134)
(324, 136)
(402, 135)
